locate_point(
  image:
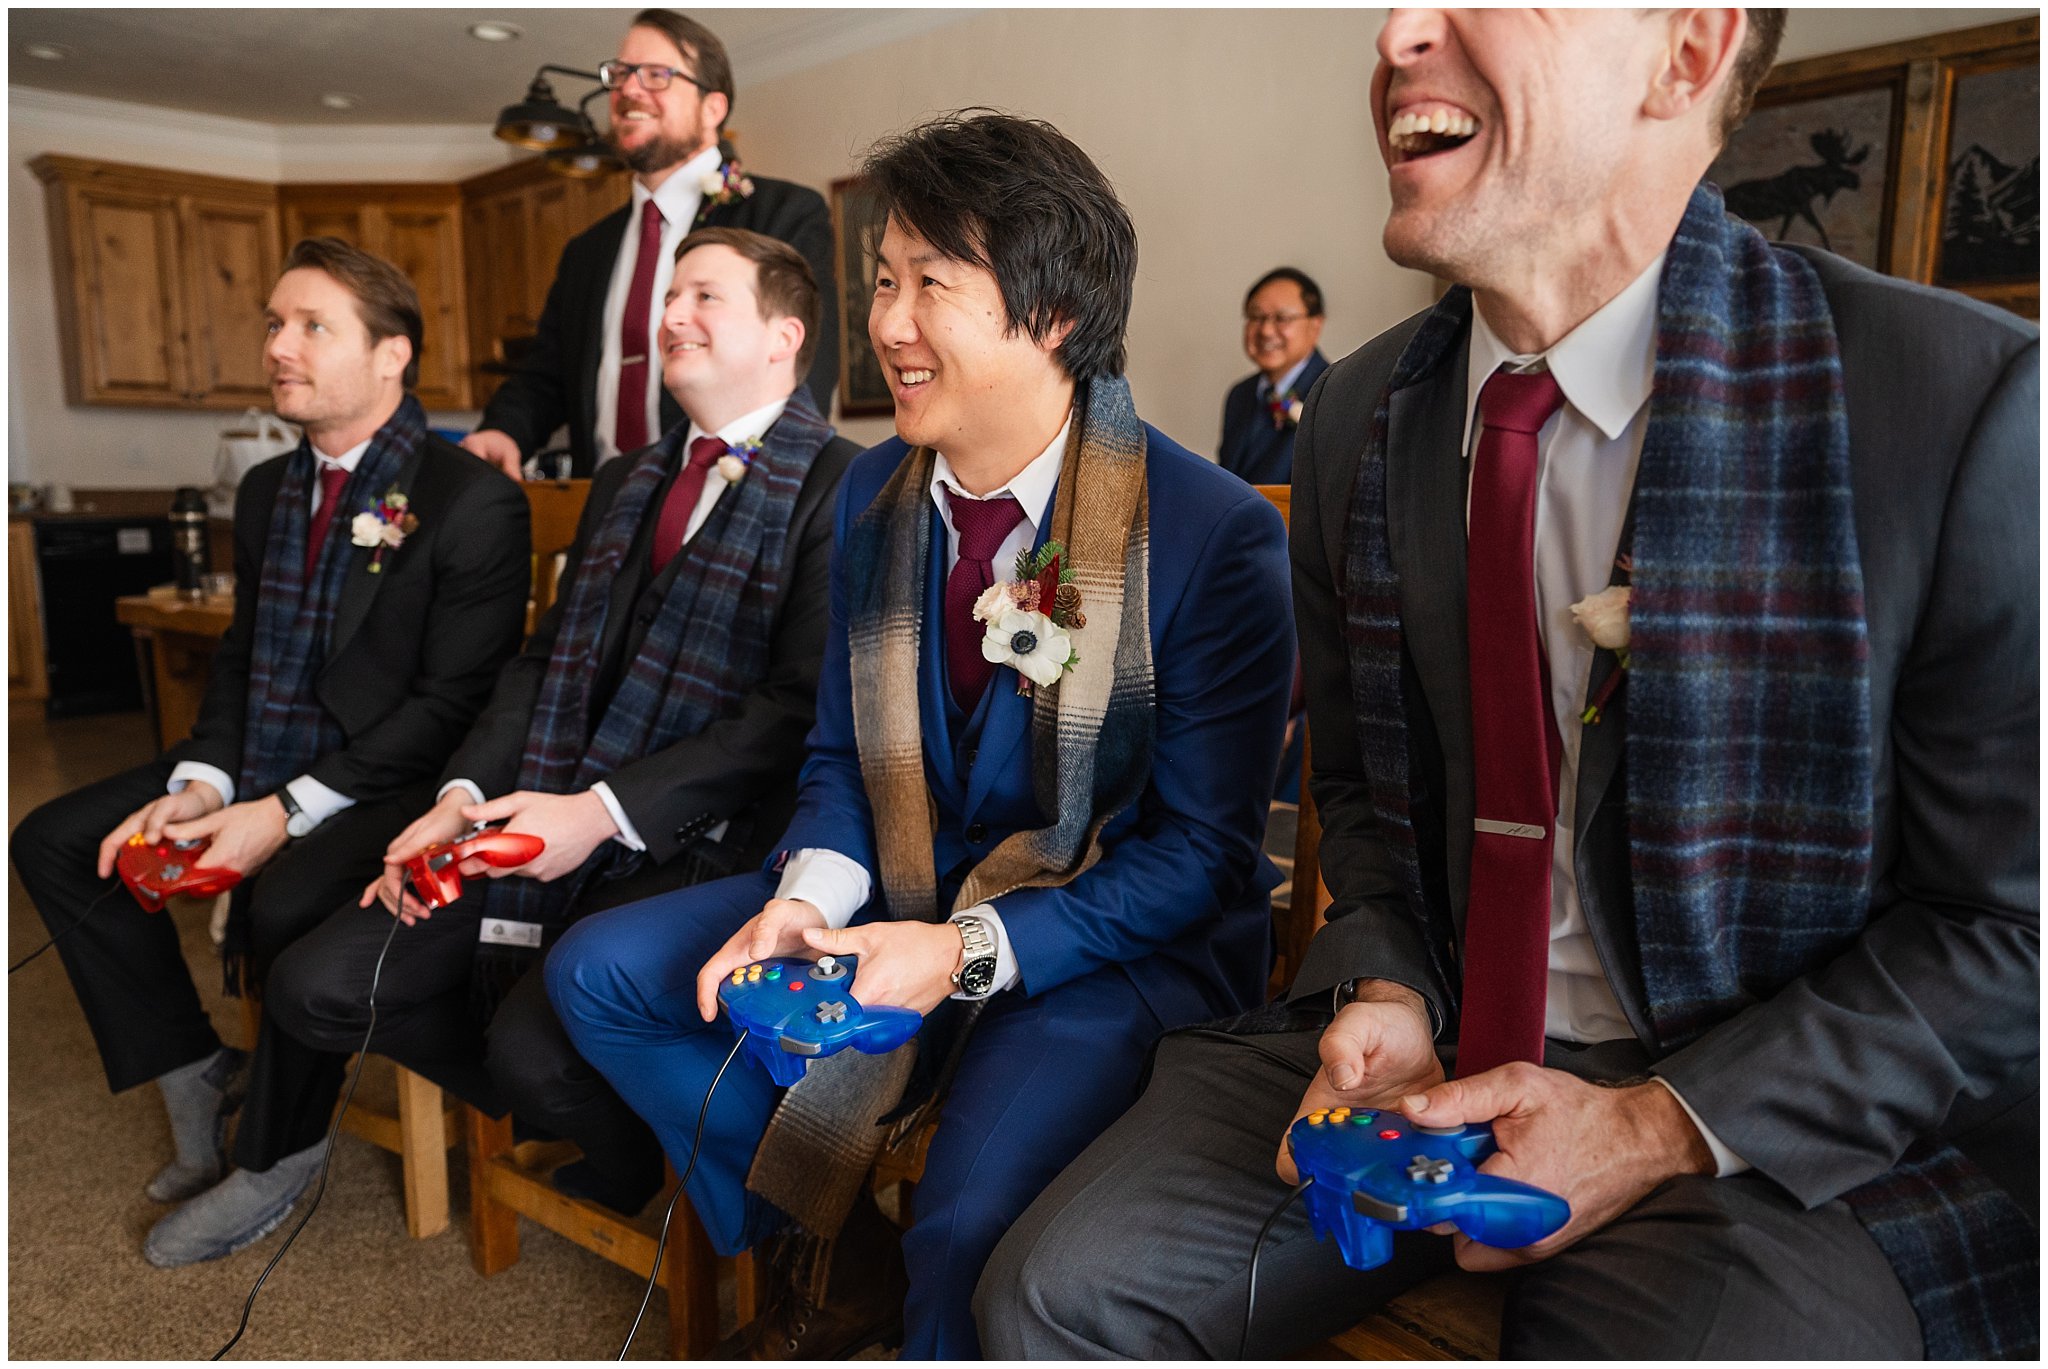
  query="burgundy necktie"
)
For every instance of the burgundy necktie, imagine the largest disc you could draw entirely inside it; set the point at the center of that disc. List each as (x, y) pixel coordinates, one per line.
(673, 521)
(1507, 918)
(332, 478)
(982, 525)
(629, 431)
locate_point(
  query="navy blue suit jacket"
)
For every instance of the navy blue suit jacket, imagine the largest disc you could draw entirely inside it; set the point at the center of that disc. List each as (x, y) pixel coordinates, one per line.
(1179, 900)
(1253, 449)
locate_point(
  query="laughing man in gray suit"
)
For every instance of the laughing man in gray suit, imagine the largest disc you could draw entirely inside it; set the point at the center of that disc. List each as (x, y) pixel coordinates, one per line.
(1778, 891)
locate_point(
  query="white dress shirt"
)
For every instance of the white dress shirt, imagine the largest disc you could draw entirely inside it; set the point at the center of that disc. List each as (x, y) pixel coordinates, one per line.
(316, 800)
(748, 428)
(678, 200)
(837, 885)
(1267, 389)
(1587, 458)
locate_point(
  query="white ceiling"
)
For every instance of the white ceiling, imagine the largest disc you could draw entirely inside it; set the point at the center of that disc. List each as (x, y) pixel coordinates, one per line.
(405, 66)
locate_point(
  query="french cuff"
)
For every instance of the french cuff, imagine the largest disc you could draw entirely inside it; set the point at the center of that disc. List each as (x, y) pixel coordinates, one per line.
(1726, 1161)
(316, 800)
(835, 885)
(1006, 959)
(185, 772)
(629, 835)
(469, 787)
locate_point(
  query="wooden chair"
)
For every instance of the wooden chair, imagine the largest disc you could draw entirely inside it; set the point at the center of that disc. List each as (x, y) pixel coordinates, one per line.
(556, 507)
(1453, 1316)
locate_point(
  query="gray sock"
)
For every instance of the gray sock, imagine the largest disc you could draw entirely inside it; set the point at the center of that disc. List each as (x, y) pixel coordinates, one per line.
(199, 1098)
(237, 1211)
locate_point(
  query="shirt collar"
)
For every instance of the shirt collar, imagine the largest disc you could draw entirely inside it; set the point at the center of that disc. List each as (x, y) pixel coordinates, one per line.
(1032, 487)
(1266, 387)
(348, 460)
(681, 193)
(746, 428)
(1604, 366)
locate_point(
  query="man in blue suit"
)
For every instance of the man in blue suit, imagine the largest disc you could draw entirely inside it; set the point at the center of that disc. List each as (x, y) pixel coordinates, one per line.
(1051, 877)
(1283, 322)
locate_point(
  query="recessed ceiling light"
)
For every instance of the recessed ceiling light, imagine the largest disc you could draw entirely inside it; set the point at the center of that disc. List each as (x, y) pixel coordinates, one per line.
(336, 99)
(495, 31)
(48, 52)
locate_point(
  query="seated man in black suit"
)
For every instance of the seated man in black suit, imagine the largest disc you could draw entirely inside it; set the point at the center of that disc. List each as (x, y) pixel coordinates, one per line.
(650, 733)
(380, 583)
(593, 363)
(1689, 813)
(1283, 322)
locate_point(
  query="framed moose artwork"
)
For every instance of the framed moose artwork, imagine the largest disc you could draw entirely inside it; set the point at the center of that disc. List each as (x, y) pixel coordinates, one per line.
(1920, 159)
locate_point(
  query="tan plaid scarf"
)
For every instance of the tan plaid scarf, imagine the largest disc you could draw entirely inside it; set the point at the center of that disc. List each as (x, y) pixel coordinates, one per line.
(1091, 753)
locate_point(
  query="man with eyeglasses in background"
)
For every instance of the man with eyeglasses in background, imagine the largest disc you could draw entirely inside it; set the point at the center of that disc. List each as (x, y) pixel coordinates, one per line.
(1283, 322)
(593, 364)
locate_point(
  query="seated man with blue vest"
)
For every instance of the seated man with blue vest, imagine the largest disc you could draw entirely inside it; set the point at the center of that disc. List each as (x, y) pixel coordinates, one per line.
(380, 583)
(1025, 807)
(649, 734)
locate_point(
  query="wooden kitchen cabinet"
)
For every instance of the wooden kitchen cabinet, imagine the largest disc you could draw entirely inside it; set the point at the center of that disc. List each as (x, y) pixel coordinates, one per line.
(161, 281)
(419, 229)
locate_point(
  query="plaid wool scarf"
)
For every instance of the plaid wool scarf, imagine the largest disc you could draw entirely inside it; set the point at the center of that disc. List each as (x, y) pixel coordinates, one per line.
(708, 645)
(286, 729)
(1091, 755)
(1748, 716)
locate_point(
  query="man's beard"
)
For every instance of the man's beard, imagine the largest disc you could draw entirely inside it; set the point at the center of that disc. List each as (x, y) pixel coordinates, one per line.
(656, 154)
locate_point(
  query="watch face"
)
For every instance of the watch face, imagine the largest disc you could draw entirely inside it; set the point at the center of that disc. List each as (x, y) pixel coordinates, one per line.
(977, 977)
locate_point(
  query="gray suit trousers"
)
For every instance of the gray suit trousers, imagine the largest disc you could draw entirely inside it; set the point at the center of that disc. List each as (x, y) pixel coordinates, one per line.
(1142, 1248)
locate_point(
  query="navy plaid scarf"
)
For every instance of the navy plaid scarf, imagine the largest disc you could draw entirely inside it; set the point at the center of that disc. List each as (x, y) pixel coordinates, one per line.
(1748, 721)
(286, 728)
(706, 648)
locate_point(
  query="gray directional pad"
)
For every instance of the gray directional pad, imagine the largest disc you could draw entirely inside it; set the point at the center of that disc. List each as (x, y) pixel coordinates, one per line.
(831, 1012)
(1423, 1170)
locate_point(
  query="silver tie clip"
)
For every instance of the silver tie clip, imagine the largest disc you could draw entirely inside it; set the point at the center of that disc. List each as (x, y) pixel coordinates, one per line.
(1507, 829)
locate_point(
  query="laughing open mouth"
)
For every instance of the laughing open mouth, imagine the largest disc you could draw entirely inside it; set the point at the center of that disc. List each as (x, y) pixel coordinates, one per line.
(1427, 130)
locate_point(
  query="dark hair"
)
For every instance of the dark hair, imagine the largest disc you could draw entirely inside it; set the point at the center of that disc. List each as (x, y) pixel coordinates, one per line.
(385, 299)
(1016, 197)
(1311, 293)
(700, 48)
(783, 282)
(1760, 39)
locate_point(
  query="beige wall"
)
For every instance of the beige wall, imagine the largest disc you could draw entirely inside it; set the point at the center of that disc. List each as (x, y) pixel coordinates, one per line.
(1239, 139)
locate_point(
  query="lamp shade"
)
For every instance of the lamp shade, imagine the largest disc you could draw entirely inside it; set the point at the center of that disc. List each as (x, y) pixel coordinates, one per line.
(584, 162)
(541, 121)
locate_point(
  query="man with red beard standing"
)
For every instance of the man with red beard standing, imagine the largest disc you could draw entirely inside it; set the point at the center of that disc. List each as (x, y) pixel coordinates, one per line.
(593, 364)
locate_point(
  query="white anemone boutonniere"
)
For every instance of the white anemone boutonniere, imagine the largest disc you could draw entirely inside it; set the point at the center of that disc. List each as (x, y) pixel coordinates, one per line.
(1604, 618)
(384, 527)
(1031, 619)
(738, 457)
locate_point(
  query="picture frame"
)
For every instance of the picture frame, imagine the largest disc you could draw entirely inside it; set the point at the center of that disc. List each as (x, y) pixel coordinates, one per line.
(1917, 159)
(856, 224)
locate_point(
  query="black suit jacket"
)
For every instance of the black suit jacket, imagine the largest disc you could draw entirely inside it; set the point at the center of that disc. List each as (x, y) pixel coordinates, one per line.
(1253, 449)
(556, 382)
(742, 764)
(414, 646)
(1927, 1022)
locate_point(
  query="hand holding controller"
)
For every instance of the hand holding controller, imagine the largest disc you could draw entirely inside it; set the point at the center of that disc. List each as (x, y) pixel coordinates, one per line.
(436, 871)
(795, 1011)
(155, 871)
(1375, 1173)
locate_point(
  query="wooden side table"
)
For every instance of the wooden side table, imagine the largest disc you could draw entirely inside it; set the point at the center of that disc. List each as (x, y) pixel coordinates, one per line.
(174, 644)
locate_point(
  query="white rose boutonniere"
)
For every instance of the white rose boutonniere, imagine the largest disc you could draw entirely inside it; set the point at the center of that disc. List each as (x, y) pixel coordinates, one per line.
(1604, 618)
(384, 527)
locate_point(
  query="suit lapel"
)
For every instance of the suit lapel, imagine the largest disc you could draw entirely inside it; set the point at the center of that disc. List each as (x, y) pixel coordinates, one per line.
(593, 320)
(1009, 713)
(1426, 484)
(931, 674)
(359, 587)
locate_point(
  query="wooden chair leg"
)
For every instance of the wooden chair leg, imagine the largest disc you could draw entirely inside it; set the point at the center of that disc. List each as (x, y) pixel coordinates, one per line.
(691, 1267)
(423, 1153)
(493, 1227)
(746, 1287)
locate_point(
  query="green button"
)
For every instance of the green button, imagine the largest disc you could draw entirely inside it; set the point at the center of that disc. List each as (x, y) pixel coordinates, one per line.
(774, 972)
(1359, 1119)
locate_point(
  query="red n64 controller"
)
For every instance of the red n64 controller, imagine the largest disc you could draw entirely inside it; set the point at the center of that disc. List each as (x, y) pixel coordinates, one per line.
(155, 871)
(436, 871)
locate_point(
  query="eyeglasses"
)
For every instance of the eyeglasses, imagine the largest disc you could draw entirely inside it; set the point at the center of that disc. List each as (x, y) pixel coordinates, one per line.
(615, 74)
(1277, 320)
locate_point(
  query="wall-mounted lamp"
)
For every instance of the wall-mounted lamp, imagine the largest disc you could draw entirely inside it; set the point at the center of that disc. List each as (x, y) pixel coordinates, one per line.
(542, 122)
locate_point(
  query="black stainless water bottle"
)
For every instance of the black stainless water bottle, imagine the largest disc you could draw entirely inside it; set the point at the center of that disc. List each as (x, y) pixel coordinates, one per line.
(188, 541)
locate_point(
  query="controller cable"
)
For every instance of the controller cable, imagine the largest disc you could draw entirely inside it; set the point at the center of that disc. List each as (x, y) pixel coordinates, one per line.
(661, 1244)
(1251, 1289)
(327, 1157)
(76, 923)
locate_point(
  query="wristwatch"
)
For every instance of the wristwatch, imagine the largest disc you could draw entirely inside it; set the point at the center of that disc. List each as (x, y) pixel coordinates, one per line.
(976, 976)
(297, 821)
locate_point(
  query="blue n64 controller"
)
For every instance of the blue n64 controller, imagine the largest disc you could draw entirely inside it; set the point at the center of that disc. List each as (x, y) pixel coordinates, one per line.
(1376, 1173)
(797, 1011)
